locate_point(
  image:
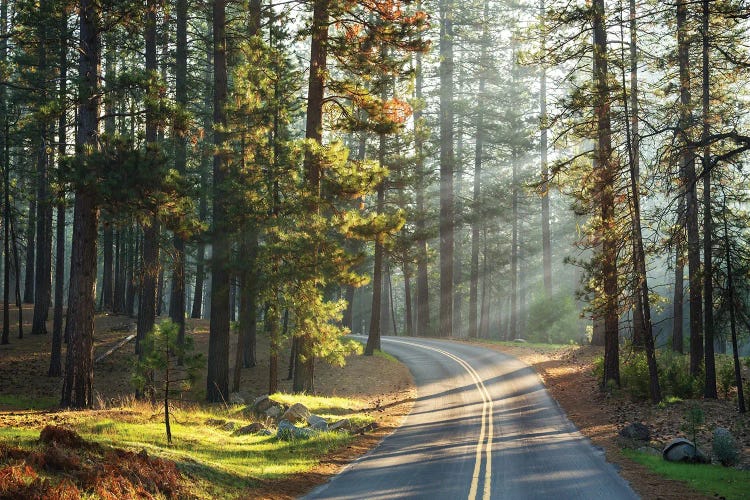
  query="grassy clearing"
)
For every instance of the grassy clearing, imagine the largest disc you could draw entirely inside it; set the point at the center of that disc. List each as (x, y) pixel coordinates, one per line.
(216, 463)
(531, 345)
(713, 480)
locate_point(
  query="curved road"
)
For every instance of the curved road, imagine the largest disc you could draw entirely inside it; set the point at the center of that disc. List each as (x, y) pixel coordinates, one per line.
(482, 427)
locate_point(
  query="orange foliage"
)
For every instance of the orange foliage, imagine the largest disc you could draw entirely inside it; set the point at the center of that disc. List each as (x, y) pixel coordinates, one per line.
(397, 110)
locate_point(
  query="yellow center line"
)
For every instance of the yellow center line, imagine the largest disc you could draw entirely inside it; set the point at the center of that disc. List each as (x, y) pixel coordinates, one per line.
(486, 429)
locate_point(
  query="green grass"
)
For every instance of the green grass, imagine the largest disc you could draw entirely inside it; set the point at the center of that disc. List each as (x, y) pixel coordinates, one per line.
(512, 343)
(15, 401)
(218, 464)
(713, 480)
(385, 355)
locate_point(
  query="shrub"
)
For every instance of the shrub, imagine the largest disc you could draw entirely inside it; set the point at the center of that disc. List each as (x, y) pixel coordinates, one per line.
(725, 377)
(554, 319)
(725, 447)
(634, 374)
(676, 379)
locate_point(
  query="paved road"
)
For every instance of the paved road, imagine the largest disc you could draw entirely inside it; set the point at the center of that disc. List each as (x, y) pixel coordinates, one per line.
(482, 427)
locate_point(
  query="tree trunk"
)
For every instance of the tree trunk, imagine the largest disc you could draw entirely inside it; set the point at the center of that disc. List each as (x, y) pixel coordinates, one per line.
(304, 372)
(513, 326)
(546, 239)
(708, 290)
(150, 270)
(476, 193)
(6, 175)
(28, 288)
(447, 168)
(376, 316)
(605, 188)
(55, 365)
(639, 255)
(423, 301)
(248, 298)
(43, 275)
(177, 292)
(217, 383)
(732, 318)
(409, 320)
(79, 366)
(689, 184)
(133, 250)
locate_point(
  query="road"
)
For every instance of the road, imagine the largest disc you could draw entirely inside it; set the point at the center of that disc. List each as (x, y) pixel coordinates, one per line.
(482, 427)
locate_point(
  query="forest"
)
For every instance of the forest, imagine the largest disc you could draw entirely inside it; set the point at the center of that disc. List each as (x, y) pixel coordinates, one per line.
(552, 171)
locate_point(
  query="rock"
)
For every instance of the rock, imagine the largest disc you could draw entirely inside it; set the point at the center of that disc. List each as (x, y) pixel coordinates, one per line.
(523, 341)
(682, 450)
(265, 432)
(636, 430)
(262, 403)
(229, 426)
(296, 413)
(317, 423)
(648, 450)
(274, 412)
(236, 398)
(253, 428)
(341, 425)
(288, 431)
(215, 422)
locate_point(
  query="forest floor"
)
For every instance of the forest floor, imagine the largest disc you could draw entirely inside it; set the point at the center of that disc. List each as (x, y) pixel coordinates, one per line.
(28, 399)
(568, 375)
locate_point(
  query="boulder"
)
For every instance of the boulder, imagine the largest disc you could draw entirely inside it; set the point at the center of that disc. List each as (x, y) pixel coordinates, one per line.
(317, 423)
(682, 450)
(648, 450)
(296, 413)
(229, 426)
(274, 412)
(253, 428)
(288, 431)
(262, 403)
(637, 431)
(341, 425)
(215, 422)
(236, 398)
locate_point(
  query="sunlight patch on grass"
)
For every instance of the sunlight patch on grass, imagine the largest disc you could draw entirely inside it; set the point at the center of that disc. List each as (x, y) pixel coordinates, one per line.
(320, 404)
(713, 480)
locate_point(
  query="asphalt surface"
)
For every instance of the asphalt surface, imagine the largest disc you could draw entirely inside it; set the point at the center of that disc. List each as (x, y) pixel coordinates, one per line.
(483, 426)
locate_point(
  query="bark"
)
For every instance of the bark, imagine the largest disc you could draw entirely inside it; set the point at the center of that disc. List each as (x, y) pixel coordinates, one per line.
(708, 291)
(304, 372)
(217, 383)
(177, 292)
(79, 374)
(28, 289)
(732, 318)
(200, 267)
(513, 326)
(409, 320)
(377, 309)
(55, 365)
(130, 291)
(6, 176)
(605, 189)
(645, 325)
(248, 299)
(423, 301)
(150, 270)
(689, 184)
(43, 274)
(476, 192)
(679, 278)
(447, 168)
(546, 238)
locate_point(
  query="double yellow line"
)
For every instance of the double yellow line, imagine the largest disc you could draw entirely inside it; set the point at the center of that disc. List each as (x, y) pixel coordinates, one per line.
(486, 430)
